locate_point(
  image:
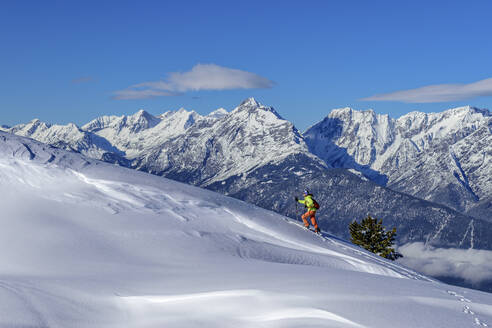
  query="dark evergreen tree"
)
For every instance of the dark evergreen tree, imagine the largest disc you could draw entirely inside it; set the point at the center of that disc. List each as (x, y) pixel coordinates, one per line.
(371, 235)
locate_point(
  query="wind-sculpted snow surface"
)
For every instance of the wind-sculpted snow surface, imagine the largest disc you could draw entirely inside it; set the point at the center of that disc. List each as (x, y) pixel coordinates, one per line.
(89, 244)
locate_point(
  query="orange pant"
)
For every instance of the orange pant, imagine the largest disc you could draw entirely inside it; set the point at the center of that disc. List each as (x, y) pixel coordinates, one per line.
(313, 219)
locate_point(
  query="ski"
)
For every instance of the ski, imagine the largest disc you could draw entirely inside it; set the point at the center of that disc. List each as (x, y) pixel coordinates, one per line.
(312, 230)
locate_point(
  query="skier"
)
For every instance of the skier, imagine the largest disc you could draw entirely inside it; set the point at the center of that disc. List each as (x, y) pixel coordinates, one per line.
(311, 206)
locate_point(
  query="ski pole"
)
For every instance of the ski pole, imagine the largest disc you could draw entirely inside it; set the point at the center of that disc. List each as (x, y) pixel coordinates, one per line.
(297, 214)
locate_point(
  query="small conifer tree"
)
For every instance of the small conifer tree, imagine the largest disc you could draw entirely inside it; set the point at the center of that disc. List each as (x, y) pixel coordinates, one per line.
(371, 235)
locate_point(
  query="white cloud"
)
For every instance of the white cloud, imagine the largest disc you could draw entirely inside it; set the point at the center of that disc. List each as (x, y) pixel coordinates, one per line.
(472, 265)
(201, 77)
(438, 93)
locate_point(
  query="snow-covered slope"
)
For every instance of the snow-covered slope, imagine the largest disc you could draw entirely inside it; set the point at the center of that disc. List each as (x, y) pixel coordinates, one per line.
(443, 157)
(89, 244)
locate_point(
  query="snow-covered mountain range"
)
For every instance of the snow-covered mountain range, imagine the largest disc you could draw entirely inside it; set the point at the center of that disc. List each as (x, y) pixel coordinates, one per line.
(442, 157)
(253, 154)
(89, 244)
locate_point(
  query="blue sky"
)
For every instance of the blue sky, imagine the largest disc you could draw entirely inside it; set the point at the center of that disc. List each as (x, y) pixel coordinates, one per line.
(71, 61)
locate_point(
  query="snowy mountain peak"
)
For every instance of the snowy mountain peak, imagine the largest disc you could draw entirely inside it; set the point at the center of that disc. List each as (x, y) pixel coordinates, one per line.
(462, 109)
(452, 112)
(100, 123)
(251, 106)
(73, 126)
(37, 122)
(170, 113)
(181, 113)
(30, 128)
(348, 111)
(250, 102)
(218, 113)
(458, 113)
(344, 109)
(443, 123)
(142, 113)
(183, 110)
(142, 120)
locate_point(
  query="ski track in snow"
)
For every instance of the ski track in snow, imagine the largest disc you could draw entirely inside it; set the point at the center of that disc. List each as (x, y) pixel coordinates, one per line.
(399, 269)
(27, 302)
(384, 267)
(467, 309)
(295, 244)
